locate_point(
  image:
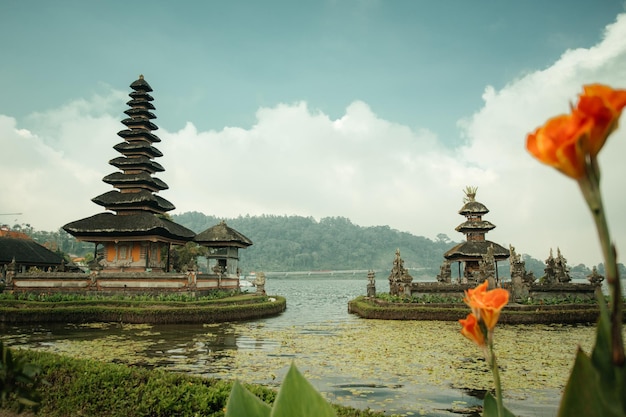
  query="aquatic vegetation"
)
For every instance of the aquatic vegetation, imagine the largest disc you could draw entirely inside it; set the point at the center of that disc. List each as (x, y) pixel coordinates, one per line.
(347, 362)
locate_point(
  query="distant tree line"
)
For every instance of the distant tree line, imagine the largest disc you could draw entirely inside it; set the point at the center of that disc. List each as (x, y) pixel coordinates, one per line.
(297, 243)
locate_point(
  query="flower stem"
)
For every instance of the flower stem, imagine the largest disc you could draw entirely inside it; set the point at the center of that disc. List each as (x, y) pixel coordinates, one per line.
(590, 187)
(496, 377)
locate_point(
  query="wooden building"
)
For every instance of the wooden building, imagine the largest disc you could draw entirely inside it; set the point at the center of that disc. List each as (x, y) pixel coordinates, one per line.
(134, 233)
(223, 245)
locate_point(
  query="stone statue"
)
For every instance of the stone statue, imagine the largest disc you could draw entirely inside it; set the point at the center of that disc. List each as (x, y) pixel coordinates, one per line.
(595, 278)
(218, 270)
(259, 283)
(520, 287)
(550, 270)
(445, 273)
(371, 283)
(11, 272)
(562, 271)
(487, 268)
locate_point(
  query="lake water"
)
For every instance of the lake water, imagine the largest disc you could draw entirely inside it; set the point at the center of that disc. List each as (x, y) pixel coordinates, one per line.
(400, 367)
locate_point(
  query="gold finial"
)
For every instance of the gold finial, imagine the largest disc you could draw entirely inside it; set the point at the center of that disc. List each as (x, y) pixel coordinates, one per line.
(141, 76)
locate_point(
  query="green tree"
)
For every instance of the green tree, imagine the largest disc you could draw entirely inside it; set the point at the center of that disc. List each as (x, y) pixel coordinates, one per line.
(185, 258)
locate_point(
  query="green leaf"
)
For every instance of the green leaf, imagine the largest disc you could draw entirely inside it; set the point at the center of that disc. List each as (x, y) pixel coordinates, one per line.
(297, 397)
(490, 407)
(582, 392)
(601, 355)
(596, 387)
(243, 403)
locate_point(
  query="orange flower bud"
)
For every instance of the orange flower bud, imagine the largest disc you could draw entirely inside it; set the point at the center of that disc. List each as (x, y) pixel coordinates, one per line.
(564, 142)
(471, 330)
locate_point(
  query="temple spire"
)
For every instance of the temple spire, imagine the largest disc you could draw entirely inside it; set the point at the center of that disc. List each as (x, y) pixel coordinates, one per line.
(136, 186)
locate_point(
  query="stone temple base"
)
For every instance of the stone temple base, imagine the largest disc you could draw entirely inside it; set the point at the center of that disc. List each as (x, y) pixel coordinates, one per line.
(119, 283)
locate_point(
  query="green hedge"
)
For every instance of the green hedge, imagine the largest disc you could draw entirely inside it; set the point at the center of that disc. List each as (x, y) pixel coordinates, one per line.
(141, 311)
(78, 387)
(565, 313)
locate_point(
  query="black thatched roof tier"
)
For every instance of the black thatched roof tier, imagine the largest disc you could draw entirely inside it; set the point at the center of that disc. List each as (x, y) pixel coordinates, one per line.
(141, 200)
(140, 123)
(138, 112)
(140, 162)
(475, 226)
(140, 103)
(473, 208)
(138, 134)
(475, 250)
(141, 85)
(108, 226)
(141, 95)
(143, 179)
(137, 148)
(222, 235)
(27, 252)
(134, 201)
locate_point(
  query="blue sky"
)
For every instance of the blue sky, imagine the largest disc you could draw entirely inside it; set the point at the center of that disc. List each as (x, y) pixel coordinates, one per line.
(419, 63)
(380, 111)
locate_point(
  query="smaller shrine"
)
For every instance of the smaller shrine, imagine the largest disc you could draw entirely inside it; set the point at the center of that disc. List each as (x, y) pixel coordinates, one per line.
(476, 250)
(554, 298)
(223, 244)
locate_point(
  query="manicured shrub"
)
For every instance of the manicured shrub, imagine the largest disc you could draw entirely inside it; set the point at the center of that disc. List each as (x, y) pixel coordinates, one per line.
(78, 387)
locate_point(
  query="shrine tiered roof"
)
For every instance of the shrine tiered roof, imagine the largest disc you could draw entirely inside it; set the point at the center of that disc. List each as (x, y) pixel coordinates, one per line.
(222, 235)
(474, 228)
(136, 205)
(136, 164)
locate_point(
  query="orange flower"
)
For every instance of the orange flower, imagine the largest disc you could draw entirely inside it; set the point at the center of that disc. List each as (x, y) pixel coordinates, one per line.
(566, 141)
(471, 330)
(559, 143)
(487, 305)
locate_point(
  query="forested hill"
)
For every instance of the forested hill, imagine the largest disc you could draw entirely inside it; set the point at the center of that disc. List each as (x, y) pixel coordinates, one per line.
(295, 243)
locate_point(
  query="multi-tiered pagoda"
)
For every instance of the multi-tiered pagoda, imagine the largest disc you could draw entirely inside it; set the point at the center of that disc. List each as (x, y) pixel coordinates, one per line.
(134, 234)
(472, 251)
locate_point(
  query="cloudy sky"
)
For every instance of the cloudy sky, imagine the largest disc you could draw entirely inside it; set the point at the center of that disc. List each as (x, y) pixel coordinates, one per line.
(378, 111)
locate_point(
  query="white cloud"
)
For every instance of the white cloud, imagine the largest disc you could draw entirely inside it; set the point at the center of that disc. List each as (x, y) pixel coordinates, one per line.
(297, 160)
(50, 176)
(536, 208)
